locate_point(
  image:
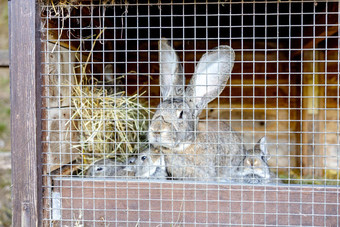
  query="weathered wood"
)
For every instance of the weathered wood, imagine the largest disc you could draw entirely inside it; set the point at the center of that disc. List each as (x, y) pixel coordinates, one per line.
(46, 179)
(313, 97)
(61, 137)
(4, 58)
(331, 145)
(59, 76)
(25, 112)
(296, 113)
(321, 116)
(140, 203)
(307, 115)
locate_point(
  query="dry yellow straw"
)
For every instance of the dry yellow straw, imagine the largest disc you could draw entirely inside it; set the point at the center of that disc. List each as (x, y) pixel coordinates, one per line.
(109, 124)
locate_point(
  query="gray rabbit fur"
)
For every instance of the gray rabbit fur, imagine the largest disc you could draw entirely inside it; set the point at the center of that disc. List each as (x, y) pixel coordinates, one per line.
(109, 168)
(254, 168)
(194, 150)
(149, 163)
(113, 85)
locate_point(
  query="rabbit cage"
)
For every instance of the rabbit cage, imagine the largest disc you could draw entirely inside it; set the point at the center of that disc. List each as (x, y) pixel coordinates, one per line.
(107, 106)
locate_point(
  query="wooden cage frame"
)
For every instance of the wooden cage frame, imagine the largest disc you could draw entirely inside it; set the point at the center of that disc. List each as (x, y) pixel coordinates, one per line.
(25, 64)
(25, 83)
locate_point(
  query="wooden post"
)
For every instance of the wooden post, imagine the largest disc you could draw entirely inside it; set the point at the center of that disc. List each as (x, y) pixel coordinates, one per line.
(320, 161)
(296, 115)
(24, 22)
(313, 134)
(313, 102)
(307, 148)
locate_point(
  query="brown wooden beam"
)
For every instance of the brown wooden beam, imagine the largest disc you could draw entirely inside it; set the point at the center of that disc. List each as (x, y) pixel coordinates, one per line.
(140, 203)
(322, 127)
(313, 117)
(25, 112)
(307, 113)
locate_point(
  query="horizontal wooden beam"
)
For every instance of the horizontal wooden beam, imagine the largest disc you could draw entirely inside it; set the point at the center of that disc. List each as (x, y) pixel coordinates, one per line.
(139, 203)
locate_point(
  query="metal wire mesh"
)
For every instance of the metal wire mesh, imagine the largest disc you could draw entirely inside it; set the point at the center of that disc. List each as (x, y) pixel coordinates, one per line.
(207, 113)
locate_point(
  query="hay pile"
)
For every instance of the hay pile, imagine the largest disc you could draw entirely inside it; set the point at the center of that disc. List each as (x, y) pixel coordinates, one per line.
(110, 125)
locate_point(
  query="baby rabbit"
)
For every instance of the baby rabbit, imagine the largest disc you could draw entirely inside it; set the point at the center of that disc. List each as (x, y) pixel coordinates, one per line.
(255, 169)
(112, 84)
(194, 150)
(149, 164)
(108, 168)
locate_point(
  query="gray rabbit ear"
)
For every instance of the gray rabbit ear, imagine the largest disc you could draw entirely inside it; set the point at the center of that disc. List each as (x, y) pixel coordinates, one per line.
(210, 78)
(172, 80)
(108, 72)
(262, 143)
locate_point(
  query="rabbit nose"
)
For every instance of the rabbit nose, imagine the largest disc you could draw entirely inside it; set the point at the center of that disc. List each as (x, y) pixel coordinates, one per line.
(251, 162)
(157, 133)
(256, 162)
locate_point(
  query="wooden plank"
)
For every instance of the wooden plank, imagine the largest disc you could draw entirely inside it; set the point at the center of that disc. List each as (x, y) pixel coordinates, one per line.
(46, 179)
(321, 117)
(313, 104)
(142, 203)
(61, 136)
(25, 112)
(295, 114)
(59, 76)
(307, 115)
(4, 58)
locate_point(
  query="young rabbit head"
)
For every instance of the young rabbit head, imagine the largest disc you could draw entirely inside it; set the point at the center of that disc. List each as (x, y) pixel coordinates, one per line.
(113, 85)
(149, 164)
(108, 168)
(255, 164)
(176, 118)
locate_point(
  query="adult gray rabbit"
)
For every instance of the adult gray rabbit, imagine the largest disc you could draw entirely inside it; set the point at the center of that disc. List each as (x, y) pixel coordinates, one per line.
(194, 150)
(109, 168)
(149, 163)
(254, 168)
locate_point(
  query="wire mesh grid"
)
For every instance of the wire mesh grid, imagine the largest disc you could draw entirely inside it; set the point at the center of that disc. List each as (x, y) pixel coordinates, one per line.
(198, 113)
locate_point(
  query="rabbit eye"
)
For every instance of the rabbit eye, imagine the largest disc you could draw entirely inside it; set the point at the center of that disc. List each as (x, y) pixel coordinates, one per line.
(180, 115)
(143, 158)
(132, 160)
(99, 168)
